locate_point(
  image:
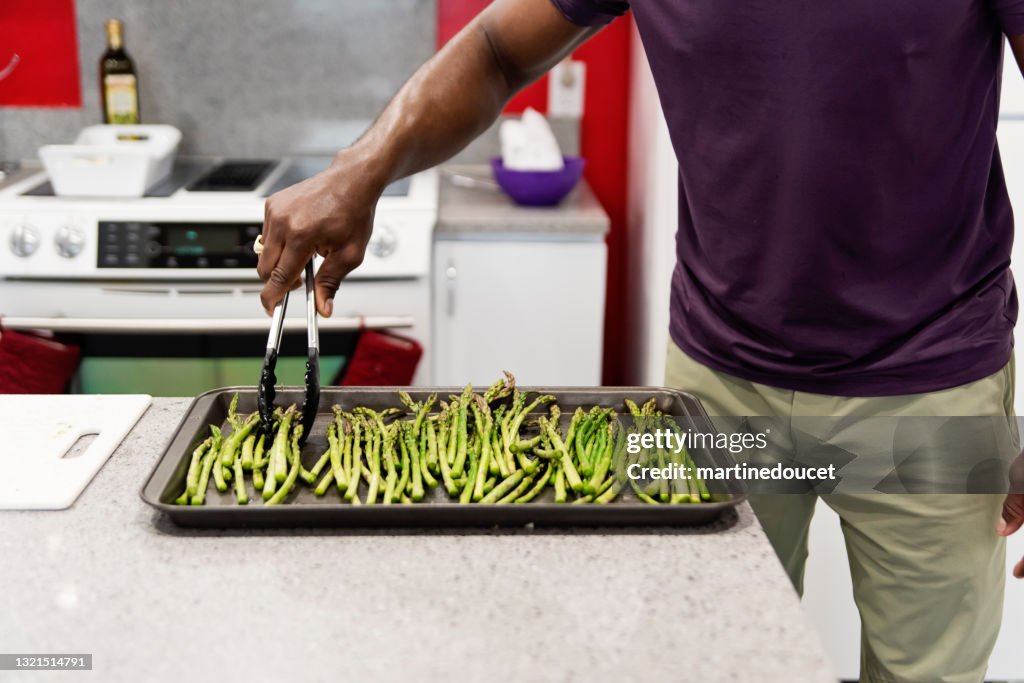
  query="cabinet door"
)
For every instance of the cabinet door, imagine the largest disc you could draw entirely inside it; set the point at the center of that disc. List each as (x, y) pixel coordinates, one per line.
(535, 309)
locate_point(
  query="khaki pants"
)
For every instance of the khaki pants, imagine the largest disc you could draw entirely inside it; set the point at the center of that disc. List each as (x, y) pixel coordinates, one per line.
(928, 570)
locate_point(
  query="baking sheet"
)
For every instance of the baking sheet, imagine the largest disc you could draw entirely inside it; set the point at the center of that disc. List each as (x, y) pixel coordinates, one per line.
(304, 509)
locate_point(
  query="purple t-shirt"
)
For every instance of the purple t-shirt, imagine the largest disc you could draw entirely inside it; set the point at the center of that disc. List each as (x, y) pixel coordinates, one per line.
(844, 225)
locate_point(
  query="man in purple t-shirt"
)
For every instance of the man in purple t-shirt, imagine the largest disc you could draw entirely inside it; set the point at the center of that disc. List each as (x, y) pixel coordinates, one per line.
(843, 249)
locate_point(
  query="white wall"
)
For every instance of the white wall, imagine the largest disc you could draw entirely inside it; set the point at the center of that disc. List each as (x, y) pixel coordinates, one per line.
(652, 224)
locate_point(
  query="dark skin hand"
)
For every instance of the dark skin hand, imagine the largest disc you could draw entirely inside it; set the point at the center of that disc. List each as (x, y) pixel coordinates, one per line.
(1013, 508)
(448, 102)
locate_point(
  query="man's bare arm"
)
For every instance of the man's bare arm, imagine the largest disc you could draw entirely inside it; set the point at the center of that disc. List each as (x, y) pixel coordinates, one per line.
(449, 101)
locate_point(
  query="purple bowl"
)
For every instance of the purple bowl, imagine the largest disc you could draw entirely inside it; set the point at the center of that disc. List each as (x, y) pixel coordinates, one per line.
(538, 188)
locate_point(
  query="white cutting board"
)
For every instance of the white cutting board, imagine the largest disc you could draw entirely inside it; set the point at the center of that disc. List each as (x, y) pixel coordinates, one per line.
(37, 431)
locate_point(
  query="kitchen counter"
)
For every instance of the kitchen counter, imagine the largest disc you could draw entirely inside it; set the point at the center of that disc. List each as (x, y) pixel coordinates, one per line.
(481, 210)
(155, 602)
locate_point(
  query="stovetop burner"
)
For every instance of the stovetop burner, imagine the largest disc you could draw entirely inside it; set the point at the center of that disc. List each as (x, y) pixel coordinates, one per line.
(233, 176)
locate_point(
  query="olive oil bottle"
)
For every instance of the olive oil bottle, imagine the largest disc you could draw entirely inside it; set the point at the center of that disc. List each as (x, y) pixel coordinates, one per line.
(119, 85)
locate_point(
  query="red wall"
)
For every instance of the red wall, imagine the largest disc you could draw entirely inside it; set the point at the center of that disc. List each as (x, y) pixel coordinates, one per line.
(603, 138)
(42, 35)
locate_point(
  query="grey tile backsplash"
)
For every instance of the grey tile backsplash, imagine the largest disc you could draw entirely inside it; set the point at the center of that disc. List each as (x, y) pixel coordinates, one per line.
(244, 77)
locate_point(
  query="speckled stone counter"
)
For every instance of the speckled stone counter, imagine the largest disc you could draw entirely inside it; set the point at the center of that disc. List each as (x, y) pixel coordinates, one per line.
(479, 211)
(154, 602)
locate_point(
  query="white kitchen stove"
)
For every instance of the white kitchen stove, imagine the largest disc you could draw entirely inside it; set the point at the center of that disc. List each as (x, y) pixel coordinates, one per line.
(193, 226)
(173, 273)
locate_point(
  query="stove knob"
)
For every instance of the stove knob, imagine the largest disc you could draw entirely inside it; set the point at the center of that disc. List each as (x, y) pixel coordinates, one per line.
(70, 240)
(24, 240)
(383, 243)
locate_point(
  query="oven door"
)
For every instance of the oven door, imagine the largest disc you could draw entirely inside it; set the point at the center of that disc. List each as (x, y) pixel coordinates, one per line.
(184, 339)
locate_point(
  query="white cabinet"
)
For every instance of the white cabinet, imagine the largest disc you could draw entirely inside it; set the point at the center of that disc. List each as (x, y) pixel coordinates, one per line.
(532, 305)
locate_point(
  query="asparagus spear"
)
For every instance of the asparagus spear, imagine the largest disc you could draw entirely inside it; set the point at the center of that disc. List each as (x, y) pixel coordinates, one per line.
(324, 483)
(640, 493)
(567, 469)
(414, 463)
(234, 441)
(374, 485)
(269, 479)
(406, 467)
(463, 437)
(431, 450)
(391, 482)
(505, 487)
(543, 478)
(525, 462)
(217, 468)
(356, 470)
(248, 446)
(334, 450)
(663, 493)
(389, 487)
(518, 491)
(293, 471)
(467, 490)
(208, 462)
(609, 493)
(500, 389)
(482, 418)
(446, 469)
(240, 493)
(192, 478)
(259, 454)
(446, 435)
(345, 438)
(604, 459)
(278, 468)
(560, 485)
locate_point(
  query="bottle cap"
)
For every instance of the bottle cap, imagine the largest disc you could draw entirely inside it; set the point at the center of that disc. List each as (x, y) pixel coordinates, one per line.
(115, 32)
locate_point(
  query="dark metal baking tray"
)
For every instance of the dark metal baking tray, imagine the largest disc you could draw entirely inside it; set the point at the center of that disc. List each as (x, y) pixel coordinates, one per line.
(304, 509)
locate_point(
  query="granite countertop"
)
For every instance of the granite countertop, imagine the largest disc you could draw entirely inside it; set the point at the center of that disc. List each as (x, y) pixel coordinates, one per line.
(154, 602)
(487, 210)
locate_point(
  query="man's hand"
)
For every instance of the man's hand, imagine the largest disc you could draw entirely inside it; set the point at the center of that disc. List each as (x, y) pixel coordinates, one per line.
(330, 214)
(1013, 508)
(449, 101)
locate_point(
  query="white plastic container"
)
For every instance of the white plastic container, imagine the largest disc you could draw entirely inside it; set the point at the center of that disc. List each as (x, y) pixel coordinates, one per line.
(112, 161)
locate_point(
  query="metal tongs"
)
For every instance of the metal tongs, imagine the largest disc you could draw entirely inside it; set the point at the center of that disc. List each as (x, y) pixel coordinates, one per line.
(268, 378)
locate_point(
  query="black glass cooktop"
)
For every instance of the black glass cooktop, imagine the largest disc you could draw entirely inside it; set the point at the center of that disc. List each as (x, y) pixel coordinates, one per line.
(233, 176)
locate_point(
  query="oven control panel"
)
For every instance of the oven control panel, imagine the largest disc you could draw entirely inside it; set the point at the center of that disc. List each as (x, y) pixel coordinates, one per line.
(93, 246)
(135, 244)
(188, 236)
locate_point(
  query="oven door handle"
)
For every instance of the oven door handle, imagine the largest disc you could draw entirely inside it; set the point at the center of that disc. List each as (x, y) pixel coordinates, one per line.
(197, 325)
